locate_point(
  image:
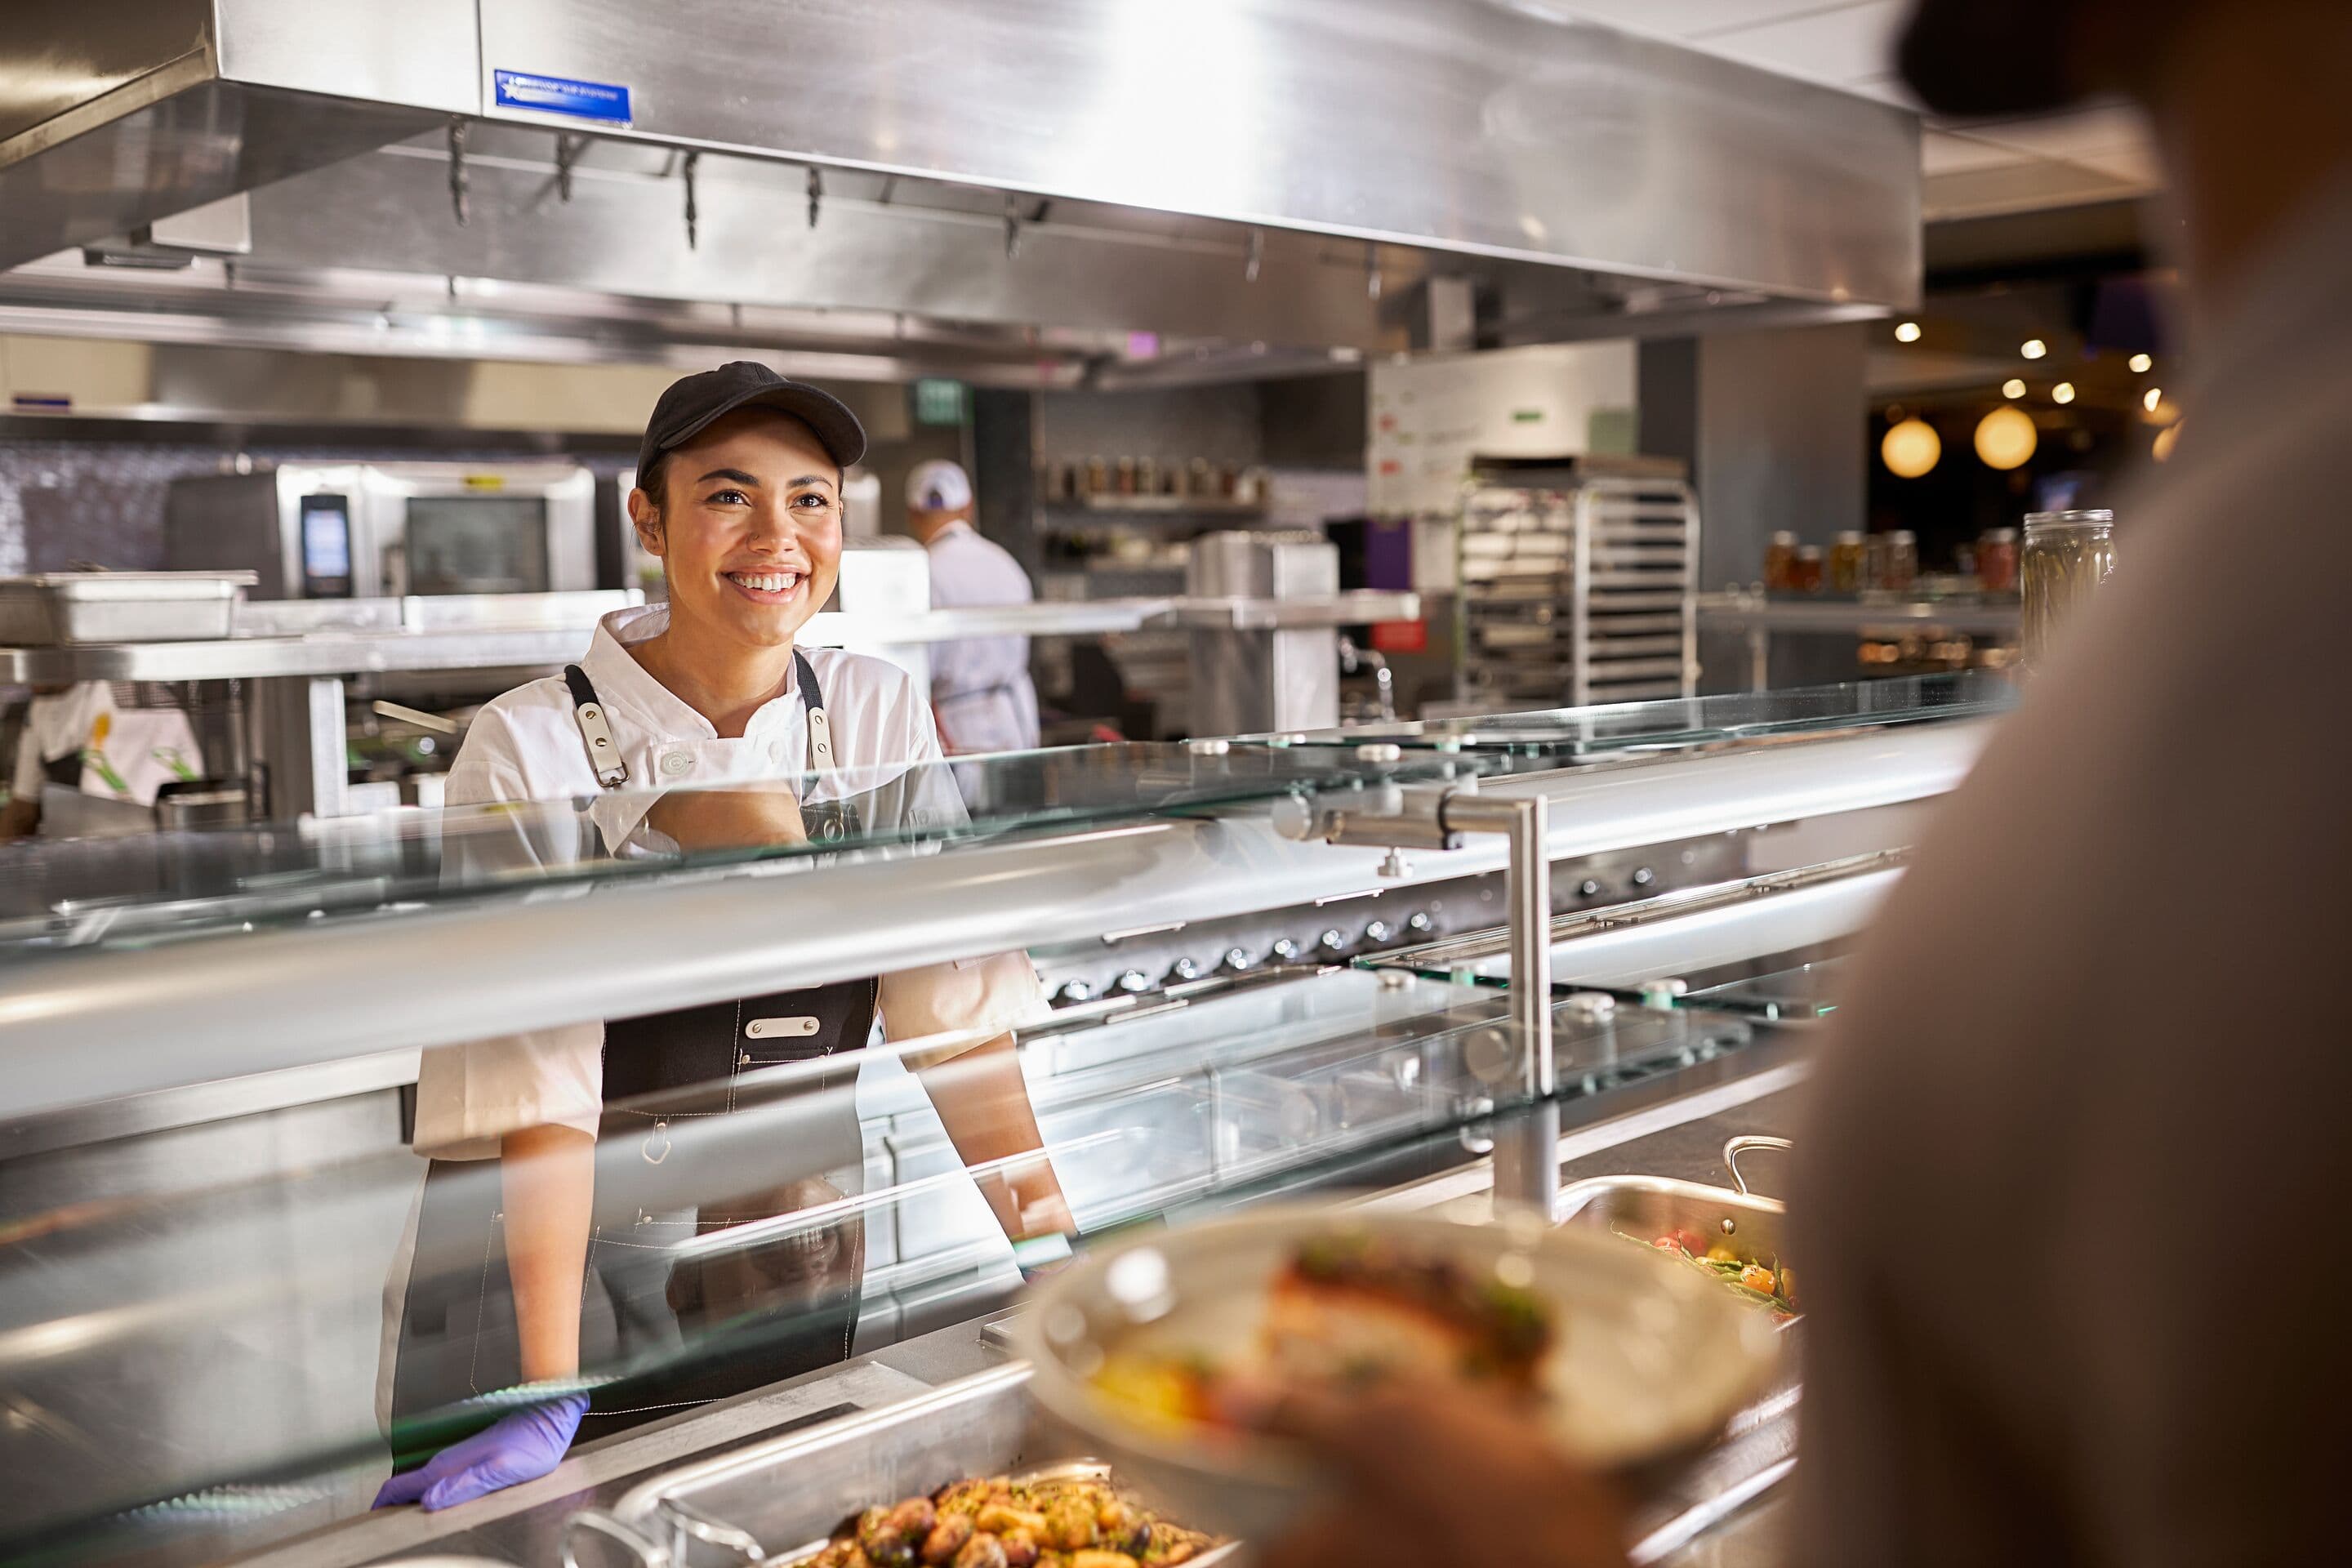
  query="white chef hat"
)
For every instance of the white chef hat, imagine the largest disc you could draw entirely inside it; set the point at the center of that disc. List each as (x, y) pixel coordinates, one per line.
(938, 486)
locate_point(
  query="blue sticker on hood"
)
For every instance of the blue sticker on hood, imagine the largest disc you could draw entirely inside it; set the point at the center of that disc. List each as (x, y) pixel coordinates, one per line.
(605, 100)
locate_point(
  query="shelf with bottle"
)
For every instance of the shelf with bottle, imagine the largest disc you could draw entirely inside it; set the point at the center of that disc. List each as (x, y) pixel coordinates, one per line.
(1152, 485)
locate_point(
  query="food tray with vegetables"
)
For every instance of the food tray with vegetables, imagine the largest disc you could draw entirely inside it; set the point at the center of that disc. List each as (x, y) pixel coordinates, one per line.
(971, 1475)
(1734, 1238)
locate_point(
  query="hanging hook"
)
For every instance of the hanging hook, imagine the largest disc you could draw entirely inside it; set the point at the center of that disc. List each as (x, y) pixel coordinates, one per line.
(686, 170)
(457, 167)
(1011, 227)
(815, 193)
(1256, 256)
(1371, 270)
(568, 148)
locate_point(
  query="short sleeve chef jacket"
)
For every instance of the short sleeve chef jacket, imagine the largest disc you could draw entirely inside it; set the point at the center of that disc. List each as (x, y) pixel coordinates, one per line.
(526, 745)
(981, 689)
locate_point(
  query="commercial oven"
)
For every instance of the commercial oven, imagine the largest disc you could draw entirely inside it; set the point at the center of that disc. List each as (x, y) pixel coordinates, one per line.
(385, 530)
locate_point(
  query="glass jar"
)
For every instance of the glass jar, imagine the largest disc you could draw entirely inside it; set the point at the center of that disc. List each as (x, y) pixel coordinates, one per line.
(1902, 561)
(1997, 561)
(2067, 555)
(1805, 576)
(1849, 558)
(1780, 565)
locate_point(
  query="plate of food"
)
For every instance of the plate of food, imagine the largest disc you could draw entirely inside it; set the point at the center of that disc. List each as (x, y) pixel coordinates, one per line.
(1153, 1349)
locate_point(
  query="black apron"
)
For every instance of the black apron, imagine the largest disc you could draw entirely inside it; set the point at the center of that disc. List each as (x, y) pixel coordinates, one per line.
(710, 1327)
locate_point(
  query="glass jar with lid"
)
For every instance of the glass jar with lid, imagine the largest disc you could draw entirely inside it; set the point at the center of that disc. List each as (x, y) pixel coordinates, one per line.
(1997, 561)
(1902, 561)
(2066, 556)
(1805, 575)
(1849, 560)
(1780, 565)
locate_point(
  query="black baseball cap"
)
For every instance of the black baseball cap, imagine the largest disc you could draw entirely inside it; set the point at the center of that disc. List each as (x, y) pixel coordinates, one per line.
(692, 402)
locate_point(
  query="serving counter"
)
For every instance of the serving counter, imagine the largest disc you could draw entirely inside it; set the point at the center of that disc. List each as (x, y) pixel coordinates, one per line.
(1294, 966)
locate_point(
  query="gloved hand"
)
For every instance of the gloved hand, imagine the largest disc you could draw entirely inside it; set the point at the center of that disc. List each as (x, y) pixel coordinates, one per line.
(511, 1450)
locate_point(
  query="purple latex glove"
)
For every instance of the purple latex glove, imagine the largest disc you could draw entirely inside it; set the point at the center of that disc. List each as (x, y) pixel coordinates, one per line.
(511, 1450)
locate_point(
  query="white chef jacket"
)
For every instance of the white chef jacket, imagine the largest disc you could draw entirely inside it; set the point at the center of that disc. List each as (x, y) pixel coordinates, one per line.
(980, 690)
(526, 745)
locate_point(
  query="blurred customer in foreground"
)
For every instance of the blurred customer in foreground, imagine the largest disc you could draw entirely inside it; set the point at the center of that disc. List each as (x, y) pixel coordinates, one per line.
(981, 696)
(2057, 1209)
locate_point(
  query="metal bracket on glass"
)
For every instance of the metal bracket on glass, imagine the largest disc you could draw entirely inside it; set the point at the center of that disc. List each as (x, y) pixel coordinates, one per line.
(1527, 1144)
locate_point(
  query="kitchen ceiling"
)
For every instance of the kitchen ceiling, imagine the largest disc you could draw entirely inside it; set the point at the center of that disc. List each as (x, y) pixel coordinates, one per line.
(1971, 169)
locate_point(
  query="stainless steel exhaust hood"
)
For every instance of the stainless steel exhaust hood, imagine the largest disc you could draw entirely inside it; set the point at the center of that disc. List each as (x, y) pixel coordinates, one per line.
(1487, 128)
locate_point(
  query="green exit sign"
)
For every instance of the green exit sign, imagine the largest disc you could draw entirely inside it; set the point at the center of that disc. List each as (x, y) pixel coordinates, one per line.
(938, 401)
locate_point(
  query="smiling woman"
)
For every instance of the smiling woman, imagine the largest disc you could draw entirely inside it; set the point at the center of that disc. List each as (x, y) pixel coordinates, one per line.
(740, 496)
(745, 516)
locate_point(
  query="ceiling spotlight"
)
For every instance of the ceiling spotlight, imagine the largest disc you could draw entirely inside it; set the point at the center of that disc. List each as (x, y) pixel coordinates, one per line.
(1908, 332)
(2006, 438)
(2033, 348)
(2013, 388)
(1911, 450)
(2063, 393)
(2141, 365)
(2151, 397)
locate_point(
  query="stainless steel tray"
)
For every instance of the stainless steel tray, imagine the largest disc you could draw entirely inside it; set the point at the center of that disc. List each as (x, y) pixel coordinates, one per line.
(1647, 1207)
(62, 607)
(778, 1502)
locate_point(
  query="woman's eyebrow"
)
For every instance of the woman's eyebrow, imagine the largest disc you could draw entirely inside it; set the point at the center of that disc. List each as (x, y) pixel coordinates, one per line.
(809, 480)
(733, 475)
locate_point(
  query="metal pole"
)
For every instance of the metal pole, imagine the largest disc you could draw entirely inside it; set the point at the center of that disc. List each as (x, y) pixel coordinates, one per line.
(1527, 1141)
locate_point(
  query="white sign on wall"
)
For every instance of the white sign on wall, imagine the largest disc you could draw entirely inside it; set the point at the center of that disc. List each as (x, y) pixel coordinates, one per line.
(1432, 413)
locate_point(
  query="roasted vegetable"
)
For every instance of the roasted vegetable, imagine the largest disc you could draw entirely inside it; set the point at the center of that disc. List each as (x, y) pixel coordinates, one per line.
(983, 1551)
(1019, 1548)
(1000, 1518)
(947, 1539)
(1070, 1524)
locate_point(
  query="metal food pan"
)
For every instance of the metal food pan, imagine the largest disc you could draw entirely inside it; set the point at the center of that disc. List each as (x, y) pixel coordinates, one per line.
(1645, 1207)
(63, 607)
(779, 1501)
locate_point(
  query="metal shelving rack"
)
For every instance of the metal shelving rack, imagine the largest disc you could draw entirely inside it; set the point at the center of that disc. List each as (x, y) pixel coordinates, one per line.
(1578, 593)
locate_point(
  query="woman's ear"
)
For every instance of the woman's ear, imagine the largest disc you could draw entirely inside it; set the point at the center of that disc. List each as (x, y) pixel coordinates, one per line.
(645, 518)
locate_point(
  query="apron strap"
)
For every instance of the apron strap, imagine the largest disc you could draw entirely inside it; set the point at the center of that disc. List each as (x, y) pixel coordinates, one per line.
(820, 728)
(604, 754)
(588, 713)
